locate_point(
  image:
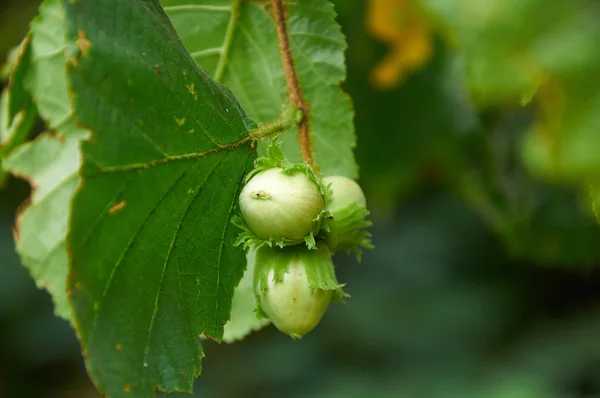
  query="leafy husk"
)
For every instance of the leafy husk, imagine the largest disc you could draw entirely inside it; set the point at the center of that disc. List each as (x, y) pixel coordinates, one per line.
(318, 265)
(345, 230)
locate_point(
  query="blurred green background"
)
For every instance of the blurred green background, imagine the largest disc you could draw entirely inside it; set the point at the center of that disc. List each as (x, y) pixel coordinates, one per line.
(482, 283)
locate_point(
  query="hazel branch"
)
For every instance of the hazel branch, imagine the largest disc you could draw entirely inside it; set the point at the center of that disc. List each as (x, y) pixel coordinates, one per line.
(293, 84)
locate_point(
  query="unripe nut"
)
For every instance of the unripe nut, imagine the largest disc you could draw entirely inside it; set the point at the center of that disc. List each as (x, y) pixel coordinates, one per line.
(277, 205)
(286, 283)
(344, 192)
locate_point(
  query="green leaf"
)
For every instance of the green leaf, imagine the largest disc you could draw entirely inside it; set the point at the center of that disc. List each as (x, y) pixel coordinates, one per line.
(543, 48)
(50, 162)
(20, 99)
(235, 42)
(594, 192)
(541, 223)
(559, 232)
(153, 265)
(563, 144)
(17, 111)
(11, 62)
(5, 123)
(243, 308)
(503, 57)
(427, 138)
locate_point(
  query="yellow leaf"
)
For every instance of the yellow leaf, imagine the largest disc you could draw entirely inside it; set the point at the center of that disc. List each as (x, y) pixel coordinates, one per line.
(405, 28)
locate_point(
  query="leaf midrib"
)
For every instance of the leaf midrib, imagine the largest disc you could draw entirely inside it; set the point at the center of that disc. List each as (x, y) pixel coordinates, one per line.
(171, 158)
(226, 46)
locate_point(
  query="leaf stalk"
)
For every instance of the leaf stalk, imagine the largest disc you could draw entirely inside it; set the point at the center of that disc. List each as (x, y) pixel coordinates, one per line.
(290, 117)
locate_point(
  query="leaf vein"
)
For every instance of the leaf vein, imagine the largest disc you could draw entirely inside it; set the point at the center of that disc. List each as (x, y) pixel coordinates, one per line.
(51, 54)
(44, 260)
(319, 37)
(207, 52)
(193, 7)
(172, 245)
(103, 213)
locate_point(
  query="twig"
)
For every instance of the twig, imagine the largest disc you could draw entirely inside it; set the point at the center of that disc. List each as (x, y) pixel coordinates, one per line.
(293, 84)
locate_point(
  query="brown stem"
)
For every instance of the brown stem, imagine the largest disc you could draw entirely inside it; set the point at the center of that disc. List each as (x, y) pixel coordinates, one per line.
(293, 84)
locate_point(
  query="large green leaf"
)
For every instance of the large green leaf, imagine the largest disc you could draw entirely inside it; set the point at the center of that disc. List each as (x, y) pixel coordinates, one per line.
(153, 265)
(235, 42)
(50, 162)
